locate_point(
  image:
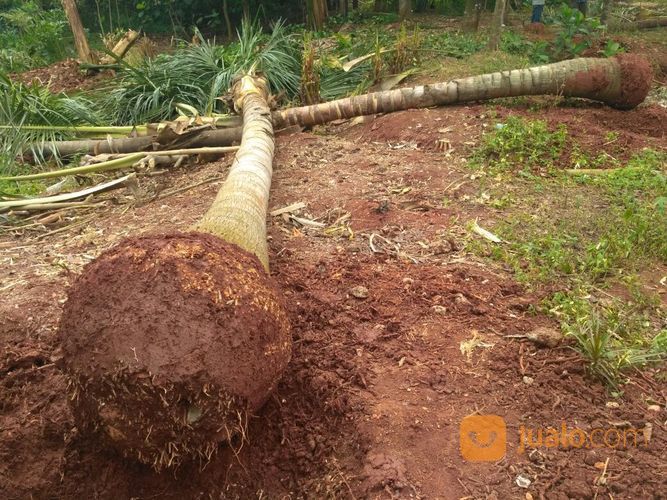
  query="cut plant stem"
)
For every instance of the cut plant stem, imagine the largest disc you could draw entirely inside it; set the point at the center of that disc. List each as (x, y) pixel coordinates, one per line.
(85, 130)
(190, 151)
(6, 205)
(116, 164)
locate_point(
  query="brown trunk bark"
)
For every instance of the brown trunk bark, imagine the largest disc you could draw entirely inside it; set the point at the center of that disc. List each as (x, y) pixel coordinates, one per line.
(317, 13)
(80, 40)
(496, 25)
(238, 213)
(573, 78)
(228, 22)
(606, 10)
(654, 22)
(404, 8)
(208, 138)
(472, 14)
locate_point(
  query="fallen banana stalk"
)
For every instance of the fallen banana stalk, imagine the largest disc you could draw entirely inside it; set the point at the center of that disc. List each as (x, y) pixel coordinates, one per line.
(26, 202)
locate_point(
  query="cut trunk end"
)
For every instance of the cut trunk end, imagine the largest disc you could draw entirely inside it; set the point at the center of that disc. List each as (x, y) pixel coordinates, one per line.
(169, 342)
(622, 82)
(636, 80)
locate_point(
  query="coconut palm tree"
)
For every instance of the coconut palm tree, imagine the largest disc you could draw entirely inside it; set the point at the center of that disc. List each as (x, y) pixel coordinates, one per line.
(622, 81)
(171, 340)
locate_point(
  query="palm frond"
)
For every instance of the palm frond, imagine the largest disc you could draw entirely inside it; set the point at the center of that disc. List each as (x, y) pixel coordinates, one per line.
(22, 105)
(336, 83)
(200, 73)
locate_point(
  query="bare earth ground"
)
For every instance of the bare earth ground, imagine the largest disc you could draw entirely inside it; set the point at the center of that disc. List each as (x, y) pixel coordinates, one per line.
(372, 401)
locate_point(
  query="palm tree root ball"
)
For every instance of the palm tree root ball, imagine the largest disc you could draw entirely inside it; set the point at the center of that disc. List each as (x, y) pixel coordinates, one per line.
(169, 342)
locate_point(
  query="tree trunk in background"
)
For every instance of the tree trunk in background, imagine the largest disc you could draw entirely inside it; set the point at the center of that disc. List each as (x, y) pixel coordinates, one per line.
(355, 4)
(80, 40)
(404, 8)
(496, 25)
(228, 22)
(607, 5)
(469, 15)
(472, 14)
(380, 6)
(246, 10)
(317, 13)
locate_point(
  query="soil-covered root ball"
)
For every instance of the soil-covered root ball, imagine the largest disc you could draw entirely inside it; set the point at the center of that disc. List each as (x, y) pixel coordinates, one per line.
(636, 80)
(169, 342)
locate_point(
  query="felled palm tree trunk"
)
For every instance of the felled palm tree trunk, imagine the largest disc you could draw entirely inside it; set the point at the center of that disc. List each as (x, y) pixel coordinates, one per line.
(238, 214)
(170, 341)
(623, 82)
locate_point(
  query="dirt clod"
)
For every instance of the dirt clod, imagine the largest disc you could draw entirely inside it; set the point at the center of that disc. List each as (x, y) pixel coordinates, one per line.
(545, 336)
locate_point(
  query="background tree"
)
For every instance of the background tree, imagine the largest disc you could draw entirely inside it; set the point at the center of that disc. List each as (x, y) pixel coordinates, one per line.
(607, 5)
(228, 21)
(496, 25)
(317, 13)
(404, 8)
(80, 40)
(472, 14)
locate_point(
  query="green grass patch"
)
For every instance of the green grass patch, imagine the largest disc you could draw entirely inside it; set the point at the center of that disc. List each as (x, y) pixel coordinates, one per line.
(520, 144)
(585, 233)
(21, 189)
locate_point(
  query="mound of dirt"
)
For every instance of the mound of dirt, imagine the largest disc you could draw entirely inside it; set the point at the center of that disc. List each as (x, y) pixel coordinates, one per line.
(63, 76)
(169, 341)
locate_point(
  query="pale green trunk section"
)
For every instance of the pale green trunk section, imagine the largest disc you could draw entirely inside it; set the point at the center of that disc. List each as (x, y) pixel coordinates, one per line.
(238, 214)
(562, 78)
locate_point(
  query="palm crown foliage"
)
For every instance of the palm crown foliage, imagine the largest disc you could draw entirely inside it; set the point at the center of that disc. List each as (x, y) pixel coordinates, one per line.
(196, 74)
(32, 104)
(200, 73)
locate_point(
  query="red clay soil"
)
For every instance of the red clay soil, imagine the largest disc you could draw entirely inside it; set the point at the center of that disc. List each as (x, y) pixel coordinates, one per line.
(398, 335)
(63, 76)
(184, 326)
(589, 126)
